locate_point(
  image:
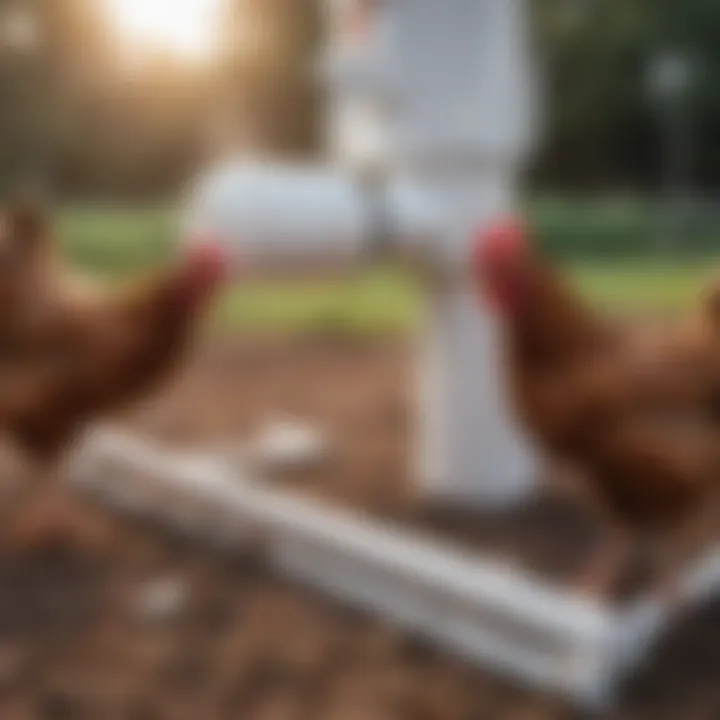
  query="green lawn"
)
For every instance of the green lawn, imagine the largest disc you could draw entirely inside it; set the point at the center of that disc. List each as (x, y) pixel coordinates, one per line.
(645, 287)
(120, 241)
(391, 302)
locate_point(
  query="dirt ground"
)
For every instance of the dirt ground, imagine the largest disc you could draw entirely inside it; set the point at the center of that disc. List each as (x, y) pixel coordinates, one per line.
(244, 645)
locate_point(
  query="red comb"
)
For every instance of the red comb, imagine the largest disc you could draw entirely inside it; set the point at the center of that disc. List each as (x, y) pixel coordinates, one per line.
(207, 259)
(205, 249)
(498, 256)
(503, 240)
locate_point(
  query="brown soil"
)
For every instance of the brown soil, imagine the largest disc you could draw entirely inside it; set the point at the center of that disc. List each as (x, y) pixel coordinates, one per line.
(250, 646)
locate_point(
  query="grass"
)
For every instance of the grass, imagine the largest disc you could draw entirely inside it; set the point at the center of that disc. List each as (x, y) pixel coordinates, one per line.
(653, 287)
(119, 241)
(384, 301)
(390, 302)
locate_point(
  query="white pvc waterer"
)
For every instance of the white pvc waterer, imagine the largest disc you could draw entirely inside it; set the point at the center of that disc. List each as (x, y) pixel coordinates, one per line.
(438, 98)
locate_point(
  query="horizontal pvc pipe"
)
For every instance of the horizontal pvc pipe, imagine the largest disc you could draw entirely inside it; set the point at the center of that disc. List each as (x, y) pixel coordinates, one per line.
(427, 562)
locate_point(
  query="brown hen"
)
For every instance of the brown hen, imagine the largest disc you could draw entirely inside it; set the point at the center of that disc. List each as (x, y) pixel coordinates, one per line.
(635, 412)
(71, 352)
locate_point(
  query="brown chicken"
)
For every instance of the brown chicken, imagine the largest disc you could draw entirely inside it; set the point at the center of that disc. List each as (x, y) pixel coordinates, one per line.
(71, 352)
(635, 413)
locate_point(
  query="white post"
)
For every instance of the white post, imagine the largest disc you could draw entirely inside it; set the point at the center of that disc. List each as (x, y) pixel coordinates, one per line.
(451, 92)
(469, 450)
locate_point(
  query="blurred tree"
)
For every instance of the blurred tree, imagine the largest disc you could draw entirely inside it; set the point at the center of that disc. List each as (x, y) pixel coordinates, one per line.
(72, 106)
(271, 47)
(604, 127)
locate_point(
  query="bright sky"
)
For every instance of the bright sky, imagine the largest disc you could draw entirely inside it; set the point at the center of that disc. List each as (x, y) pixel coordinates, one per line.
(187, 27)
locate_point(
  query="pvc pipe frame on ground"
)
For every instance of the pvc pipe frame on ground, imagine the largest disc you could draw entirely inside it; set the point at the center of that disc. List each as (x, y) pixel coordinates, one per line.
(485, 611)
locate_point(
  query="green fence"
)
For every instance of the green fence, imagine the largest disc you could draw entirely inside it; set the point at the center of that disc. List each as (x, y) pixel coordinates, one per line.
(612, 249)
(607, 230)
(119, 240)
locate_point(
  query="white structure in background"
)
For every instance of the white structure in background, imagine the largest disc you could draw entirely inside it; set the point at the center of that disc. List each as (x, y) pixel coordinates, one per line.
(436, 97)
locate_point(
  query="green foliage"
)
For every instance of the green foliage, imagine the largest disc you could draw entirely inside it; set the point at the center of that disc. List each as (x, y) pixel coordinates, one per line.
(74, 107)
(624, 229)
(604, 126)
(123, 239)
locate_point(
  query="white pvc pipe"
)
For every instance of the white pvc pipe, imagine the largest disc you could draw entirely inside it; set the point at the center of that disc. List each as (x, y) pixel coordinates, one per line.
(397, 550)
(293, 218)
(484, 610)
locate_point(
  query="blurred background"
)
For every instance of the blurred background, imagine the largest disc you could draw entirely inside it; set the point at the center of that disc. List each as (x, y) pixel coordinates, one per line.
(113, 103)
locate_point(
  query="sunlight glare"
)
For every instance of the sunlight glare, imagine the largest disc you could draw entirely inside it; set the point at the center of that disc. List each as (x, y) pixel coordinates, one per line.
(187, 27)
